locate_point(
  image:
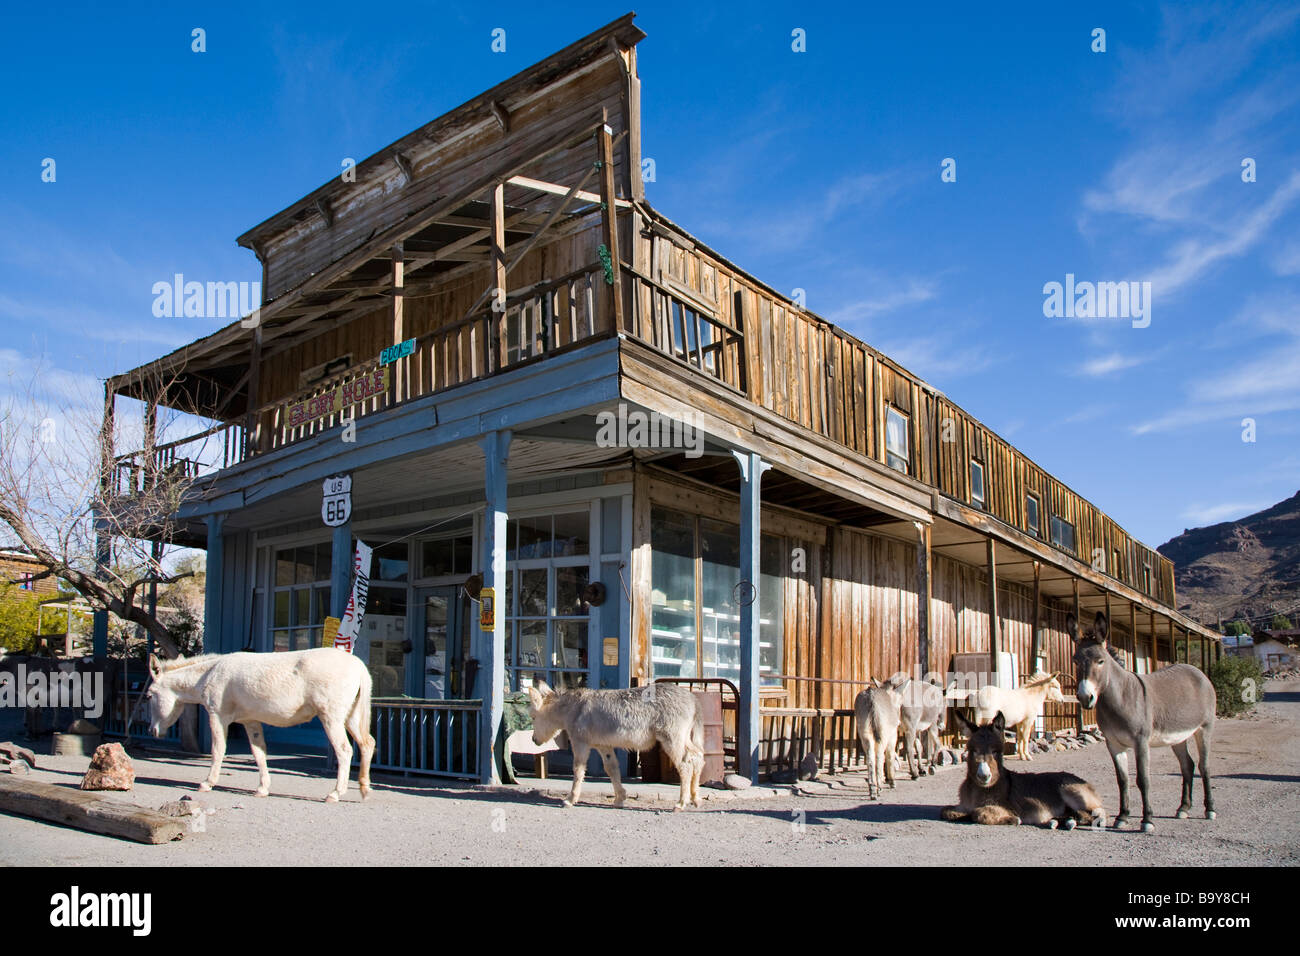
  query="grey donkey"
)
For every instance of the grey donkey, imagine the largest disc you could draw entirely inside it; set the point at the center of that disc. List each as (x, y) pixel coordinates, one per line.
(921, 717)
(995, 796)
(876, 713)
(1138, 712)
(634, 719)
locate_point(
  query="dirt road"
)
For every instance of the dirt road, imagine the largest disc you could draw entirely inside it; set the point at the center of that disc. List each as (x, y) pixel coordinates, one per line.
(1255, 763)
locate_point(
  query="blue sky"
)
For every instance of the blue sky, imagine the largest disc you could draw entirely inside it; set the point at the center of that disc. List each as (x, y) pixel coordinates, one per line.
(817, 170)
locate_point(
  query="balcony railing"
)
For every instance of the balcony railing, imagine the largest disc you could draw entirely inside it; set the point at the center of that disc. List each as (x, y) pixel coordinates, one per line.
(537, 321)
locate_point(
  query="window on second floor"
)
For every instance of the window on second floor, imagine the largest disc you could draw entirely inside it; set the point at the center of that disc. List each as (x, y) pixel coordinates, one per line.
(897, 447)
(1031, 514)
(1062, 534)
(977, 496)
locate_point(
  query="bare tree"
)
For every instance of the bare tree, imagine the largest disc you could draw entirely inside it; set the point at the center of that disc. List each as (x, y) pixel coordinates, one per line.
(90, 518)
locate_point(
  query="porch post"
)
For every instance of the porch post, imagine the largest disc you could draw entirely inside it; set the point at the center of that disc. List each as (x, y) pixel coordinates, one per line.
(1037, 635)
(748, 726)
(340, 570)
(212, 591)
(492, 671)
(995, 635)
(923, 593)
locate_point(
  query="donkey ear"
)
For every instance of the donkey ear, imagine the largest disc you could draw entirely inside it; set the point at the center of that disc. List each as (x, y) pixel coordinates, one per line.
(999, 723)
(155, 667)
(964, 723)
(536, 697)
(1072, 627)
(1101, 629)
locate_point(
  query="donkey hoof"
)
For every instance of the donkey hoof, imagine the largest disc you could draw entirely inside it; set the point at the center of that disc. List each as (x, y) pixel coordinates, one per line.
(1181, 815)
(332, 798)
(204, 787)
(931, 770)
(261, 792)
(1148, 826)
(1209, 814)
(1070, 823)
(1052, 824)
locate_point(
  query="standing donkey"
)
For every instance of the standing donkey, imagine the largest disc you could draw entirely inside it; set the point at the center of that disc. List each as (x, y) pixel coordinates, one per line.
(1138, 712)
(281, 689)
(921, 717)
(634, 719)
(876, 713)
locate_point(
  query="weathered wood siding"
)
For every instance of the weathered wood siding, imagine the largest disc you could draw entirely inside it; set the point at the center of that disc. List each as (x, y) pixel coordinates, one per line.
(808, 371)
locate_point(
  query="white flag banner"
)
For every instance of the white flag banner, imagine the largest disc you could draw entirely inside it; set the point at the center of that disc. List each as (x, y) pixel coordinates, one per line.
(350, 625)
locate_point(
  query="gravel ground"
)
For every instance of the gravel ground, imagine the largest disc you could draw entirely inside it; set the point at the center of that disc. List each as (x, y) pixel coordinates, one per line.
(1255, 763)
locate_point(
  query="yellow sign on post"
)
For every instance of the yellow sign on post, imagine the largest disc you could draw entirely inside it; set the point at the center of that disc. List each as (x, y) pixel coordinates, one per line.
(330, 632)
(487, 609)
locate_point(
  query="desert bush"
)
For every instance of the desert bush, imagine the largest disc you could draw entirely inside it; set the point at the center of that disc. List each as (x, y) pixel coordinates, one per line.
(1238, 684)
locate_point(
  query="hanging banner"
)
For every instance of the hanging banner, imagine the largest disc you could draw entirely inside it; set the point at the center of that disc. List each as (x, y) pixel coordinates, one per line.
(350, 625)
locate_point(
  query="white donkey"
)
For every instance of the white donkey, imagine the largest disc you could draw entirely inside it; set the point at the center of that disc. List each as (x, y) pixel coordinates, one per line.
(1020, 708)
(280, 689)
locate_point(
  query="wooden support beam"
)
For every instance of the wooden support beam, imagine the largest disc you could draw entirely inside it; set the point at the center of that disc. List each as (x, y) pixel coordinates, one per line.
(400, 384)
(1133, 634)
(995, 629)
(326, 213)
(253, 420)
(1155, 641)
(87, 810)
(498, 293)
(609, 219)
(555, 189)
(924, 592)
(1037, 634)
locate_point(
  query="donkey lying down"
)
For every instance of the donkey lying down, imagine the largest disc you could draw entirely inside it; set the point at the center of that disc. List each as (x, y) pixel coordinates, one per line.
(278, 689)
(634, 719)
(992, 795)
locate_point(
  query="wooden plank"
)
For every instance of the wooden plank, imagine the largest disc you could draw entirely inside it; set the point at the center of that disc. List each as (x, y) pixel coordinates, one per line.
(609, 220)
(87, 810)
(498, 294)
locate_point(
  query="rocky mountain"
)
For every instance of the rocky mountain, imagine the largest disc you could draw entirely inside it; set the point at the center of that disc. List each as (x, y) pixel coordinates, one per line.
(1244, 568)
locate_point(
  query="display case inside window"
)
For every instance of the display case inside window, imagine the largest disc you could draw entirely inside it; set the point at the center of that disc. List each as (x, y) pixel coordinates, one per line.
(686, 642)
(672, 598)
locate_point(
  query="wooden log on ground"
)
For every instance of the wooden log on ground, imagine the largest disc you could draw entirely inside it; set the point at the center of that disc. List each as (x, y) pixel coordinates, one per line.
(87, 811)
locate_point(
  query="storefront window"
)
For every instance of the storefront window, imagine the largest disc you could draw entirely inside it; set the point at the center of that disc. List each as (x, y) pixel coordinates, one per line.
(701, 638)
(547, 569)
(302, 596)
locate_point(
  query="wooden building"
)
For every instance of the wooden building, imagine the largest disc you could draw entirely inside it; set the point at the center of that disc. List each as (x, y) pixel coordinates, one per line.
(590, 394)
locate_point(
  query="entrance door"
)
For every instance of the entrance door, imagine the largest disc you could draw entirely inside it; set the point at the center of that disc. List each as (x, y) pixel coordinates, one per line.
(442, 622)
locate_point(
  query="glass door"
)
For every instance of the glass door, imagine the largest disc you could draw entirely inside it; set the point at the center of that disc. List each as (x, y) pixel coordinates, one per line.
(443, 626)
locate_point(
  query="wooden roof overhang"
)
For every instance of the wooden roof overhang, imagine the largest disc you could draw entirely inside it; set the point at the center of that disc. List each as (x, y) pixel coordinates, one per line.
(442, 225)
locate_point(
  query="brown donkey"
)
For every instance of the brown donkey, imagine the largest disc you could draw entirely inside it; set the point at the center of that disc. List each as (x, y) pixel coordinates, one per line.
(992, 795)
(1138, 712)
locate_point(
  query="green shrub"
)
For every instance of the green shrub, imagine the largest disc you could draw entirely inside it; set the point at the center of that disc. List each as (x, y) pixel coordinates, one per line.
(1281, 622)
(1238, 683)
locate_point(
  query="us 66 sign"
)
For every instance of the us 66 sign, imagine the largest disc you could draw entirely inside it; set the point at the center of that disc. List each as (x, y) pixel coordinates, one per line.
(336, 500)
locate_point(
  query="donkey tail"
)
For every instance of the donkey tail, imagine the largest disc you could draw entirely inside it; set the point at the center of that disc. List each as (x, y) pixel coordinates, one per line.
(696, 742)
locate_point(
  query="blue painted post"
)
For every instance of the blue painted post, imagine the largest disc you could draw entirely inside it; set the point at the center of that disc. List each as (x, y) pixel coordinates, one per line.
(748, 725)
(341, 570)
(492, 669)
(212, 609)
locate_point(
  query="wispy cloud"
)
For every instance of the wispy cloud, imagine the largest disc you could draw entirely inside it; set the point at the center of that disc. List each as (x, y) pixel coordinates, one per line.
(1108, 364)
(1204, 515)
